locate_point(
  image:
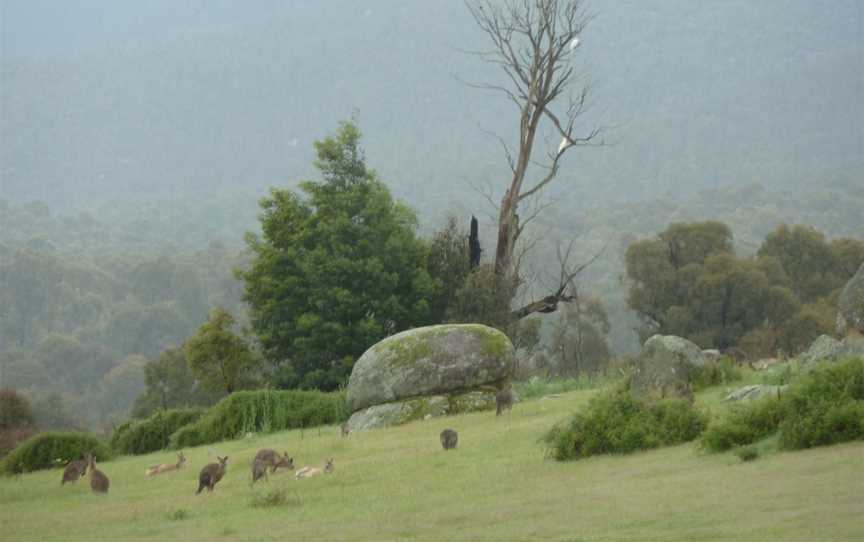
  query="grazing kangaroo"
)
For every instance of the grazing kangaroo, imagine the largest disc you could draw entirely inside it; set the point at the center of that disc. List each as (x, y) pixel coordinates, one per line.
(307, 472)
(272, 459)
(449, 439)
(504, 399)
(346, 429)
(98, 481)
(166, 467)
(211, 474)
(75, 470)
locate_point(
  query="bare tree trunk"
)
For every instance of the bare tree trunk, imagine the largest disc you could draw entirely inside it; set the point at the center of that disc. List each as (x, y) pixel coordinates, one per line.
(533, 42)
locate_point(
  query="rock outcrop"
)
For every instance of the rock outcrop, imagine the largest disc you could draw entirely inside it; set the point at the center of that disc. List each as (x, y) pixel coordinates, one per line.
(665, 367)
(850, 317)
(432, 370)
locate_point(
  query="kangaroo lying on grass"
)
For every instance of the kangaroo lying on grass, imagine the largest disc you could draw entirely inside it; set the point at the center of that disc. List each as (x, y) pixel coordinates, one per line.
(269, 458)
(98, 481)
(166, 467)
(211, 474)
(75, 470)
(307, 472)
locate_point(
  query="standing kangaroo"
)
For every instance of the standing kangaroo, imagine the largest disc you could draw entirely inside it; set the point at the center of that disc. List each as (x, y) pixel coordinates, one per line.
(211, 474)
(346, 429)
(159, 469)
(504, 399)
(449, 439)
(307, 472)
(75, 470)
(269, 458)
(98, 481)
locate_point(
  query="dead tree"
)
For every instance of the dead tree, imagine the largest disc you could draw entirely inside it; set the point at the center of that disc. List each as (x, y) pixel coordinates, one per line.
(533, 42)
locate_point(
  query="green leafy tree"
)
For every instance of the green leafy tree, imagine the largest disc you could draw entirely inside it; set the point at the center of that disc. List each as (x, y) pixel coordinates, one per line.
(219, 358)
(579, 337)
(808, 260)
(170, 384)
(336, 269)
(450, 263)
(15, 410)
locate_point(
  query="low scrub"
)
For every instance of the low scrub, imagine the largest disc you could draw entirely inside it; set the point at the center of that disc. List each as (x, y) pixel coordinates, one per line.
(153, 433)
(715, 373)
(53, 449)
(824, 406)
(262, 411)
(617, 423)
(744, 424)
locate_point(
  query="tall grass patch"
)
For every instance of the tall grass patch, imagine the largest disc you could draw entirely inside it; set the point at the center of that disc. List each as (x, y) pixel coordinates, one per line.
(137, 437)
(53, 449)
(618, 423)
(262, 411)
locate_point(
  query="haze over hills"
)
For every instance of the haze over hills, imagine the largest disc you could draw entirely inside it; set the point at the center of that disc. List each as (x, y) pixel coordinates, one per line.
(189, 113)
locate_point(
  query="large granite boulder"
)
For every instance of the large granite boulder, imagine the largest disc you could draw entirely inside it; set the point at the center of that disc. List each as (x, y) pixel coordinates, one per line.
(826, 348)
(666, 367)
(850, 317)
(426, 361)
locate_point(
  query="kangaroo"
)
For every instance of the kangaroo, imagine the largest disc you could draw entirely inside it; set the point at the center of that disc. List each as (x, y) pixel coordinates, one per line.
(75, 470)
(166, 467)
(211, 474)
(272, 459)
(259, 470)
(98, 481)
(449, 439)
(504, 399)
(308, 472)
(346, 429)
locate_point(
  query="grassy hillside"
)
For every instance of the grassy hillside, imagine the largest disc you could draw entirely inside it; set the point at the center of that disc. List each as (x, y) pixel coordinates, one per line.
(397, 484)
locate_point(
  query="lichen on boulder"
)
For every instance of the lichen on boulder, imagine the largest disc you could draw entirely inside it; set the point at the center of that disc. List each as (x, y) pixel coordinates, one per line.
(428, 361)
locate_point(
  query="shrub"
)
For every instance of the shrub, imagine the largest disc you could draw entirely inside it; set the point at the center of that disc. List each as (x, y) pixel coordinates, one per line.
(263, 411)
(274, 497)
(616, 422)
(15, 412)
(825, 407)
(747, 453)
(744, 424)
(152, 434)
(715, 373)
(53, 449)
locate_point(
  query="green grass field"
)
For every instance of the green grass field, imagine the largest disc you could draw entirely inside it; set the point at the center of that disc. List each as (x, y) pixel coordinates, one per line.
(398, 484)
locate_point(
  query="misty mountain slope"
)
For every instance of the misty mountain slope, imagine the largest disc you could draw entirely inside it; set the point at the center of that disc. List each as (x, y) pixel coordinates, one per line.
(191, 117)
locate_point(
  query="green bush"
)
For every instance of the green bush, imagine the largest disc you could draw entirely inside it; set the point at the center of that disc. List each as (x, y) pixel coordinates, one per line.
(715, 373)
(617, 423)
(153, 433)
(744, 424)
(53, 449)
(263, 411)
(747, 453)
(825, 407)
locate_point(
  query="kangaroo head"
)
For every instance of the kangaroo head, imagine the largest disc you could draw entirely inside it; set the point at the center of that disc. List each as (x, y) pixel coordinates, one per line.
(223, 461)
(285, 461)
